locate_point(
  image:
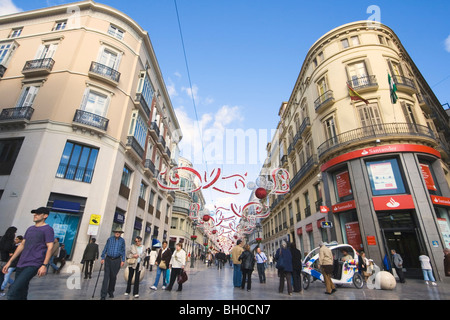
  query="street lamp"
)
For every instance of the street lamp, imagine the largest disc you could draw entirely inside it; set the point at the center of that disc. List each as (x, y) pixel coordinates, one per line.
(193, 237)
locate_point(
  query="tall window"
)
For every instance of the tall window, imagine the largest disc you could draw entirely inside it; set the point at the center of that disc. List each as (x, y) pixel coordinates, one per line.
(6, 51)
(408, 111)
(330, 129)
(322, 86)
(152, 197)
(358, 74)
(46, 51)
(369, 115)
(77, 162)
(138, 129)
(27, 96)
(145, 88)
(109, 58)
(126, 176)
(143, 190)
(95, 102)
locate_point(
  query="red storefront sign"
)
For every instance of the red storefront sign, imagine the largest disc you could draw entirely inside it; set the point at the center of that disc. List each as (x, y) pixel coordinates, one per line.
(426, 173)
(319, 223)
(309, 227)
(353, 235)
(343, 184)
(344, 206)
(380, 150)
(440, 201)
(393, 203)
(371, 241)
(324, 209)
(299, 231)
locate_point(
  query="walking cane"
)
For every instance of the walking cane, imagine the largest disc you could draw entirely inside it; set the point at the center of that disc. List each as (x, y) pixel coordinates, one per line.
(101, 265)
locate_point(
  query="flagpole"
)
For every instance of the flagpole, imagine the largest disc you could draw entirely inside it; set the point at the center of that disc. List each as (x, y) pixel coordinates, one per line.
(390, 95)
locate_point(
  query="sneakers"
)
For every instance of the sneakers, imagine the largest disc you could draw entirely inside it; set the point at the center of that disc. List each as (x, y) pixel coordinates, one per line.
(136, 296)
(153, 288)
(126, 294)
(164, 287)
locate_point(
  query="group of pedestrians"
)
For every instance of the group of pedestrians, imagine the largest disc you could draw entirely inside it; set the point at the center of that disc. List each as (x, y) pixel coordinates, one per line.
(289, 264)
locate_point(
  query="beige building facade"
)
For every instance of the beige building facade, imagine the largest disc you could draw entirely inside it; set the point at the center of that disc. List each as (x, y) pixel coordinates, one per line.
(377, 169)
(86, 125)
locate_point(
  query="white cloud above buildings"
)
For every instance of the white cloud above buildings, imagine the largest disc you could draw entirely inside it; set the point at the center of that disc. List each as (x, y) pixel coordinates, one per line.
(447, 44)
(8, 7)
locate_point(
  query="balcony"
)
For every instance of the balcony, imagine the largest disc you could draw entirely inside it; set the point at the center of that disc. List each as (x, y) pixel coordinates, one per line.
(310, 164)
(161, 143)
(324, 101)
(154, 130)
(149, 167)
(101, 72)
(90, 121)
(376, 131)
(291, 148)
(405, 84)
(364, 83)
(144, 106)
(284, 160)
(39, 67)
(424, 102)
(2, 70)
(15, 118)
(305, 127)
(167, 154)
(137, 151)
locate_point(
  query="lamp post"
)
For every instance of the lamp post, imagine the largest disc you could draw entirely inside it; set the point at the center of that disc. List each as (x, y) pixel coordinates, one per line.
(193, 237)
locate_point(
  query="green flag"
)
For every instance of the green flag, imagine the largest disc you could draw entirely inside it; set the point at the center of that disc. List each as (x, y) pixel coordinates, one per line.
(393, 89)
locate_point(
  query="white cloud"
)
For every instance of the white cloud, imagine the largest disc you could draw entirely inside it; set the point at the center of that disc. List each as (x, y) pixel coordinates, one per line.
(8, 7)
(191, 92)
(447, 44)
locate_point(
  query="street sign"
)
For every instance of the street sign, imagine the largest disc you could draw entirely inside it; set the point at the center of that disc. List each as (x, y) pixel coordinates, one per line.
(326, 224)
(95, 220)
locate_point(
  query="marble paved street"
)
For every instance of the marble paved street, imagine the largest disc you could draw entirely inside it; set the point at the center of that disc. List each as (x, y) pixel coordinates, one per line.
(212, 284)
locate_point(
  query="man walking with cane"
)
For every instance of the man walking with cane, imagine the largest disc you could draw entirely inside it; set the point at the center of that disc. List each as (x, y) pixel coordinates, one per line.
(113, 258)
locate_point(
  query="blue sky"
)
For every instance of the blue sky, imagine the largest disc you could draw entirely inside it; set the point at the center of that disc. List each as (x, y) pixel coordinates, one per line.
(245, 55)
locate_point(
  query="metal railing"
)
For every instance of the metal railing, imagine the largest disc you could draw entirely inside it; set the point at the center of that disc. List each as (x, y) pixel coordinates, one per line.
(150, 165)
(306, 122)
(363, 82)
(323, 99)
(312, 160)
(134, 144)
(404, 81)
(46, 63)
(105, 71)
(91, 119)
(378, 130)
(140, 98)
(154, 127)
(23, 113)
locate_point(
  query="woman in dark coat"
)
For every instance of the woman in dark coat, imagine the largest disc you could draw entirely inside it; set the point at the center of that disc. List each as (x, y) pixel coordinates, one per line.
(247, 265)
(284, 266)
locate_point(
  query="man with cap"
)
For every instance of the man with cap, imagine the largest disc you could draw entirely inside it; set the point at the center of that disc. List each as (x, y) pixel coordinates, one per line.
(113, 258)
(35, 251)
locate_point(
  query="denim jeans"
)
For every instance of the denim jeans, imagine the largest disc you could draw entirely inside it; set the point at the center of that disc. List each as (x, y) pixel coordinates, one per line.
(158, 274)
(19, 289)
(428, 275)
(8, 278)
(237, 275)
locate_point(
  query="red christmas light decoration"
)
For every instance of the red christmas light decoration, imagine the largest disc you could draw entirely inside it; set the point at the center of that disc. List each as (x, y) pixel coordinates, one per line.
(261, 193)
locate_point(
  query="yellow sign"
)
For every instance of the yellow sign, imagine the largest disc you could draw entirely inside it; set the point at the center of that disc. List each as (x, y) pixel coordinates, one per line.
(95, 220)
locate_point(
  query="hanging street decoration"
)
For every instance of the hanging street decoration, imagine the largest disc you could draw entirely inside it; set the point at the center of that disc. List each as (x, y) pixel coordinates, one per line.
(225, 225)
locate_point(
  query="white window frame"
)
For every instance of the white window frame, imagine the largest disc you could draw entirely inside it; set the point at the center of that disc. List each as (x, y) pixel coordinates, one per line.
(92, 91)
(60, 25)
(15, 32)
(7, 50)
(116, 32)
(138, 129)
(27, 96)
(112, 51)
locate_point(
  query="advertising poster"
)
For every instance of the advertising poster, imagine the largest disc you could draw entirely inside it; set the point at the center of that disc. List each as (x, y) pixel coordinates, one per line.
(429, 181)
(383, 176)
(445, 231)
(353, 235)
(343, 184)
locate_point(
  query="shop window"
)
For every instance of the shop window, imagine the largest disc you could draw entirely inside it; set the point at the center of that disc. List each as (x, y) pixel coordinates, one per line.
(351, 233)
(9, 150)
(342, 185)
(385, 177)
(443, 220)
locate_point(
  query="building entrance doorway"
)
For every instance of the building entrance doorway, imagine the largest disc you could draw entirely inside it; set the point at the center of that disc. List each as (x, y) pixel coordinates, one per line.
(401, 234)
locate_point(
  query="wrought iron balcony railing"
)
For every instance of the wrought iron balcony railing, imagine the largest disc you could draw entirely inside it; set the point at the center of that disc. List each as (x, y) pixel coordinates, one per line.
(23, 113)
(105, 71)
(363, 82)
(91, 119)
(324, 100)
(39, 64)
(379, 130)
